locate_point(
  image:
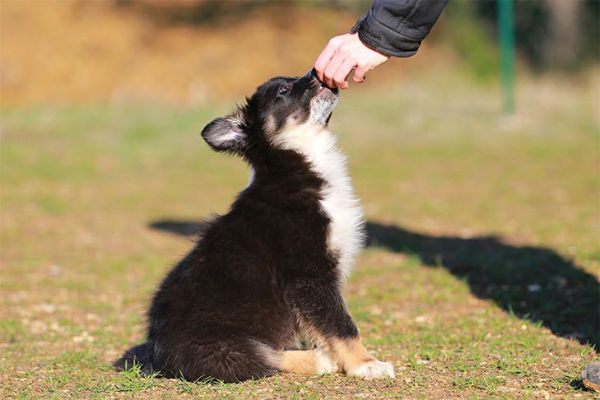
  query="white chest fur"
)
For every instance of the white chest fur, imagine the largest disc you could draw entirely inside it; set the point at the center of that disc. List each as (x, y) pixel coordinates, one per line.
(345, 233)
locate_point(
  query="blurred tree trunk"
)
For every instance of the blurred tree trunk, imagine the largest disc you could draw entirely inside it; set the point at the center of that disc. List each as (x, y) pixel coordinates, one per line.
(561, 46)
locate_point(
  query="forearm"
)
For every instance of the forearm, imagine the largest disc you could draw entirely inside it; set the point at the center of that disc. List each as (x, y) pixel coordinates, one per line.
(397, 27)
(321, 309)
(322, 314)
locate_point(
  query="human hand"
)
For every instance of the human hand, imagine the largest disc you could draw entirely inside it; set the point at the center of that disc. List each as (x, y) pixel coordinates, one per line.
(343, 54)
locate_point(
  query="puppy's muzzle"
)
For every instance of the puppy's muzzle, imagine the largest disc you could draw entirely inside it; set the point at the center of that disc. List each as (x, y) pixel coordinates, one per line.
(313, 74)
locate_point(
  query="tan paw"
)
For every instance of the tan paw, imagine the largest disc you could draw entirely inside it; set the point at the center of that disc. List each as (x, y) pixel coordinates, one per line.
(373, 370)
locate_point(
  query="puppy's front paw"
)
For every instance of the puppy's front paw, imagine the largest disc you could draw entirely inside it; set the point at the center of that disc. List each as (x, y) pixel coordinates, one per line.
(373, 370)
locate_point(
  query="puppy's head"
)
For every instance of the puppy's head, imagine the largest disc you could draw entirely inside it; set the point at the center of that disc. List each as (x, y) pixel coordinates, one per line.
(278, 106)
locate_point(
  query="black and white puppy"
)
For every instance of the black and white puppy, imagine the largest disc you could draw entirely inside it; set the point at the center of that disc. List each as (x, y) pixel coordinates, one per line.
(272, 268)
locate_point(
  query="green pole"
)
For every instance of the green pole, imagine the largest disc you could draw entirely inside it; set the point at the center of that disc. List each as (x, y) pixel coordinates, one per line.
(506, 33)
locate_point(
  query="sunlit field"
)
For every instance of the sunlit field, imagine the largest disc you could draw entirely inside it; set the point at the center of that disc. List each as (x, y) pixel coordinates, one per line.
(479, 279)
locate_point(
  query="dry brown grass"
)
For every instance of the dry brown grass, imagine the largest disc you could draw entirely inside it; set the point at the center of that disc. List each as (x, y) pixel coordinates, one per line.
(65, 51)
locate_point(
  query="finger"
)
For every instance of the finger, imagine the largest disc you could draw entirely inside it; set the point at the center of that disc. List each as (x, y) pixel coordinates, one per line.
(323, 59)
(333, 65)
(341, 74)
(359, 73)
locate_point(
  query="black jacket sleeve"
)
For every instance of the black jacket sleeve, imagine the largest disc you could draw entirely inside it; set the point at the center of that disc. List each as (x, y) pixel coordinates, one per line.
(397, 27)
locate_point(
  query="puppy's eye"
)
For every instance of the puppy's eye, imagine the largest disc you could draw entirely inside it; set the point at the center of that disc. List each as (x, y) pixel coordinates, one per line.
(284, 89)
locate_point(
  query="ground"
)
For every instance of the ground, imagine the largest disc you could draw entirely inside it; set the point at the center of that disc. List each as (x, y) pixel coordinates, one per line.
(480, 278)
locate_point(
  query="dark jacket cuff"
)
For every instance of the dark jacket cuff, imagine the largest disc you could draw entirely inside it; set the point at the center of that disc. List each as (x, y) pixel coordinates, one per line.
(397, 27)
(383, 39)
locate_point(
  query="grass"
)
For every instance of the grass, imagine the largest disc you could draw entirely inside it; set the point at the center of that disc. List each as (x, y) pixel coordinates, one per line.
(480, 279)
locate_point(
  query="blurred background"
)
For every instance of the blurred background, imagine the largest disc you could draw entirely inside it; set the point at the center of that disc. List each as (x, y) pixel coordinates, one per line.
(480, 219)
(192, 52)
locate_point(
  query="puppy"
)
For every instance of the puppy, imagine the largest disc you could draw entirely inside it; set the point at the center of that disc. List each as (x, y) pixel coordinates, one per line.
(272, 268)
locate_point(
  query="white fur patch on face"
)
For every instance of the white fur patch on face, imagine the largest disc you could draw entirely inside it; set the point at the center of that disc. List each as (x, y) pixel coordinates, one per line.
(318, 145)
(320, 108)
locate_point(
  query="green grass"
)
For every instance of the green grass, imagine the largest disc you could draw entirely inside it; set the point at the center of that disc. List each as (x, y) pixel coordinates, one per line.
(480, 279)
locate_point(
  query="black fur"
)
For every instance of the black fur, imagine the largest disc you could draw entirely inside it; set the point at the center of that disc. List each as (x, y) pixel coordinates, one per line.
(257, 270)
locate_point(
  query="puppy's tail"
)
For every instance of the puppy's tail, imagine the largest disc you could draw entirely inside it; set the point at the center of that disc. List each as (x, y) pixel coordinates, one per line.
(139, 356)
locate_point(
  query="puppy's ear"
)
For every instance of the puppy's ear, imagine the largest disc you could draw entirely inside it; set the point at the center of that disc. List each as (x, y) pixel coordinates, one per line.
(226, 134)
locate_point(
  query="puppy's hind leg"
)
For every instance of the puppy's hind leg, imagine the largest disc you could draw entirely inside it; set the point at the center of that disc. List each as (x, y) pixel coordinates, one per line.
(305, 362)
(308, 362)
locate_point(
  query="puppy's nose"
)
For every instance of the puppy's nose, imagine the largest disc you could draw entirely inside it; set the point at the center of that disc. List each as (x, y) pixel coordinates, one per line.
(310, 74)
